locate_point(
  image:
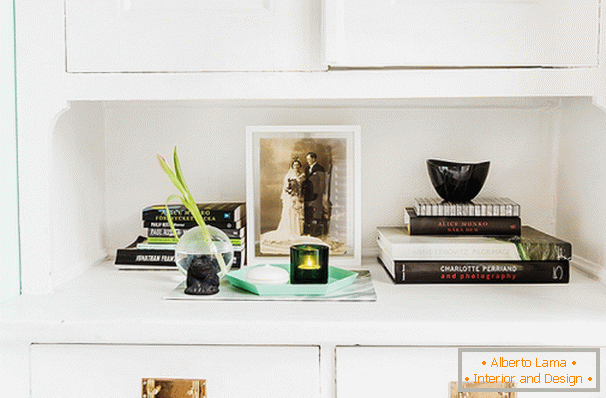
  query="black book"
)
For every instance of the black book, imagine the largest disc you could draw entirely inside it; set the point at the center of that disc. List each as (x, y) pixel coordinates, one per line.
(454, 225)
(211, 212)
(145, 258)
(238, 224)
(164, 232)
(133, 258)
(476, 272)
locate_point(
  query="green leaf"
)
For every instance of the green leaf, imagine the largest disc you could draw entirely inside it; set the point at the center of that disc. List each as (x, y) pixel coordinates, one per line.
(169, 217)
(179, 174)
(522, 252)
(188, 201)
(171, 175)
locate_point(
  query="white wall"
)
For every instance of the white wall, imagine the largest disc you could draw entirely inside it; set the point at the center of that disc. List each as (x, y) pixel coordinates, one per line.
(516, 135)
(78, 181)
(582, 182)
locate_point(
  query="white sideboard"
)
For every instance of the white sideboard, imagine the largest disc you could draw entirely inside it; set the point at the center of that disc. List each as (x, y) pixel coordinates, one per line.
(113, 328)
(82, 167)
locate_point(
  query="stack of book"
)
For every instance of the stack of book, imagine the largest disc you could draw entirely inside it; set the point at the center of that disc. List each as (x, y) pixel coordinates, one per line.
(157, 249)
(471, 246)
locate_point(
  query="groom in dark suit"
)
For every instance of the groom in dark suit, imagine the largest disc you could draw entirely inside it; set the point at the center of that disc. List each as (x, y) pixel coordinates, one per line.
(314, 192)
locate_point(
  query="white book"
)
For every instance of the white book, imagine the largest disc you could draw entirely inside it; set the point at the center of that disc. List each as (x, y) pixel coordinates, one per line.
(419, 207)
(156, 246)
(479, 207)
(396, 242)
(488, 208)
(427, 207)
(388, 262)
(496, 207)
(446, 206)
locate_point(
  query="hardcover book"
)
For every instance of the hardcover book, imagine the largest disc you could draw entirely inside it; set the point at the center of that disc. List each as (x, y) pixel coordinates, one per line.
(168, 239)
(167, 232)
(479, 207)
(173, 246)
(142, 254)
(164, 232)
(453, 225)
(483, 272)
(238, 224)
(133, 257)
(211, 212)
(532, 244)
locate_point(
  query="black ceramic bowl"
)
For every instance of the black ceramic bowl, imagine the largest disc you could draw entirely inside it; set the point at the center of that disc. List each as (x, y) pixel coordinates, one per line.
(457, 182)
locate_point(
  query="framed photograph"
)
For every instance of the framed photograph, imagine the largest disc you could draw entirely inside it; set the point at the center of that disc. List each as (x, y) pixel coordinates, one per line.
(303, 186)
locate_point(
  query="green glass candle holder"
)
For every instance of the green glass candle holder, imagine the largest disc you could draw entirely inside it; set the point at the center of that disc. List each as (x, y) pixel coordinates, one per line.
(308, 264)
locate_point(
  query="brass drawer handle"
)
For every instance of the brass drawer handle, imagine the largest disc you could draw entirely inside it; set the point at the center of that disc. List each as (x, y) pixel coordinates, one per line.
(454, 391)
(173, 388)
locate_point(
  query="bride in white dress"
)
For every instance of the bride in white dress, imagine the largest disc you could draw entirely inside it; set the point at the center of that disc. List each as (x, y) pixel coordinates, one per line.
(291, 221)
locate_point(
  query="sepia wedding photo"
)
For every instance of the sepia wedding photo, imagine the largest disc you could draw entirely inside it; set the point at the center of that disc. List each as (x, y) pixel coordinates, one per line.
(302, 180)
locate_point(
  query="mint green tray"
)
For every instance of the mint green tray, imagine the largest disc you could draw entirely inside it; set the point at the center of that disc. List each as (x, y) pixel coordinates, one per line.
(337, 279)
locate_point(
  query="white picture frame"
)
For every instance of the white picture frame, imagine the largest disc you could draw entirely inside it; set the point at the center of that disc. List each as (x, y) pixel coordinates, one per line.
(270, 168)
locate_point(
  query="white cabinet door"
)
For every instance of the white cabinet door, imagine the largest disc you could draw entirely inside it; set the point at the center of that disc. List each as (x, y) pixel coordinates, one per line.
(74, 371)
(462, 33)
(192, 35)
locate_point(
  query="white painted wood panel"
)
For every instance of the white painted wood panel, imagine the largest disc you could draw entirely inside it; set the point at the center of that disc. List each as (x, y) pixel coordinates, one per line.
(371, 33)
(386, 372)
(9, 234)
(74, 370)
(396, 372)
(152, 36)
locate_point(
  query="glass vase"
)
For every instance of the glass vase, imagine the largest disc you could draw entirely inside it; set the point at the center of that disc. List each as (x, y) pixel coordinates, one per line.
(192, 246)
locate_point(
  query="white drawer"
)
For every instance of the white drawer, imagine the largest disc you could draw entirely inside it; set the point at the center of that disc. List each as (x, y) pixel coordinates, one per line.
(410, 372)
(462, 33)
(116, 371)
(191, 35)
(395, 371)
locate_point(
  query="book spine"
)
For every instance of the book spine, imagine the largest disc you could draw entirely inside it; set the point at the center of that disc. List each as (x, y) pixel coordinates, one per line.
(145, 257)
(419, 206)
(184, 216)
(239, 224)
(164, 232)
(167, 232)
(151, 257)
(181, 214)
(165, 224)
(453, 272)
(162, 239)
(482, 207)
(494, 226)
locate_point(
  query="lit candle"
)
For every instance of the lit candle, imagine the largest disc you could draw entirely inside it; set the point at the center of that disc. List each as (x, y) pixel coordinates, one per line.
(308, 264)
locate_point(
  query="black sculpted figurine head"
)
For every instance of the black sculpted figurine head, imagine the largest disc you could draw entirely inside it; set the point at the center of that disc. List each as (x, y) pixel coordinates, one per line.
(202, 278)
